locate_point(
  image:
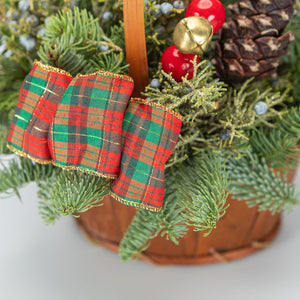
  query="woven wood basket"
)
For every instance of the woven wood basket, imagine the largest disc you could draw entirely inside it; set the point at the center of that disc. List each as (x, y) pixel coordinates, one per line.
(242, 231)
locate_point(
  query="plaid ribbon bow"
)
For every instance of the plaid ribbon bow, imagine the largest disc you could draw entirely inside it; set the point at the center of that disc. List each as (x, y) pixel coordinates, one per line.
(86, 131)
(86, 123)
(40, 94)
(150, 133)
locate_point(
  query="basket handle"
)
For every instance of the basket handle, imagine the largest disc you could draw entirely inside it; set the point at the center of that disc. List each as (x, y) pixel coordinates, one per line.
(135, 43)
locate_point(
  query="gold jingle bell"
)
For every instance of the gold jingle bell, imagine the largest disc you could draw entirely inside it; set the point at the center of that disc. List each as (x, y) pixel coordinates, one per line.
(193, 35)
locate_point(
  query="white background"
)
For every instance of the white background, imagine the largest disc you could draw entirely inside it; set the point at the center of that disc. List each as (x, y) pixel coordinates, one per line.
(57, 263)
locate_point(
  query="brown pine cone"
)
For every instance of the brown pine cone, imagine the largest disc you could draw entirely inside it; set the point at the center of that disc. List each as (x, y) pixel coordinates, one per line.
(251, 41)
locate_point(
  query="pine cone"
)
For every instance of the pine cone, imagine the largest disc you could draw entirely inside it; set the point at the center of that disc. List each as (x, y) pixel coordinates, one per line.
(251, 40)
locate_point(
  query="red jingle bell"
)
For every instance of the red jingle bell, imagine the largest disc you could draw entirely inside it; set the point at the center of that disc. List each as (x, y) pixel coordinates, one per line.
(178, 63)
(211, 10)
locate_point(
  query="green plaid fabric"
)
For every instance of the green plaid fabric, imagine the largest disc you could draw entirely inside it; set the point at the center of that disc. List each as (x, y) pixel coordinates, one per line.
(86, 131)
(40, 94)
(150, 133)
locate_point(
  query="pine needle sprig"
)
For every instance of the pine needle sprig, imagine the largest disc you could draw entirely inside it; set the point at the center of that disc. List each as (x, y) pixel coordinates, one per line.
(189, 97)
(292, 58)
(290, 122)
(9, 99)
(237, 111)
(72, 41)
(4, 128)
(196, 99)
(77, 23)
(72, 193)
(208, 110)
(254, 181)
(204, 189)
(21, 171)
(195, 197)
(147, 225)
(46, 211)
(277, 147)
(236, 114)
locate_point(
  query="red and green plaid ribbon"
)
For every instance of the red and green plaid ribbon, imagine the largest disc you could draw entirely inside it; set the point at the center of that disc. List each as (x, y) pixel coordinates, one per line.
(150, 133)
(40, 94)
(89, 131)
(86, 131)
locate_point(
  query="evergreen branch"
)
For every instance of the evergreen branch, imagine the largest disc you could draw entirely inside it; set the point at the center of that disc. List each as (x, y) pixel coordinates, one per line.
(79, 24)
(208, 111)
(112, 62)
(195, 197)
(189, 97)
(21, 171)
(277, 147)
(72, 40)
(237, 112)
(46, 211)
(11, 75)
(173, 226)
(196, 99)
(8, 100)
(293, 55)
(290, 63)
(117, 34)
(144, 227)
(71, 193)
(147, 225)
(290, 123)
(258, 184)
(4, 128)
(203, 186)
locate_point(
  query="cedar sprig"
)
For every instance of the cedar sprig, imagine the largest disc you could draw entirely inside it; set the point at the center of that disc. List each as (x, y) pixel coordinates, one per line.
(192, 98)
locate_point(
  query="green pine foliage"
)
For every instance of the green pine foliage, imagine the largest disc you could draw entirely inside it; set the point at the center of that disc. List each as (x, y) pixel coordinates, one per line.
(80, 40)
(11, 79)
(290, 68)
(195, 197)
(278, 143)
(70, 193)
(290, 123)
(17, 25)
(47, 211)
(254, 181)
(4, 127)
(147, 225)
(208, 109)
(192, 98)
(72, 40)
(21, 171)
(278, 148)
(195, 99)
(237, 109)
(203, 186)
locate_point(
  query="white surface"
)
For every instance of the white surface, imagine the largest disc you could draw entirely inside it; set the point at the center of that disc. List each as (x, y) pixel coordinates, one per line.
(57, 263)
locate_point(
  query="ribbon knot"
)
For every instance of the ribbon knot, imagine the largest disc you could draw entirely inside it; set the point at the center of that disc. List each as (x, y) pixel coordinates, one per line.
(89, 123)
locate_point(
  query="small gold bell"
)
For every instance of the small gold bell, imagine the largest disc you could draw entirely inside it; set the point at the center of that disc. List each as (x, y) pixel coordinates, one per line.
(193, 35)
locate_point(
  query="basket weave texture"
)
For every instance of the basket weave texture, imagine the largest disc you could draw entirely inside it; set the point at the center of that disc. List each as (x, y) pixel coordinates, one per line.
(240, 232)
